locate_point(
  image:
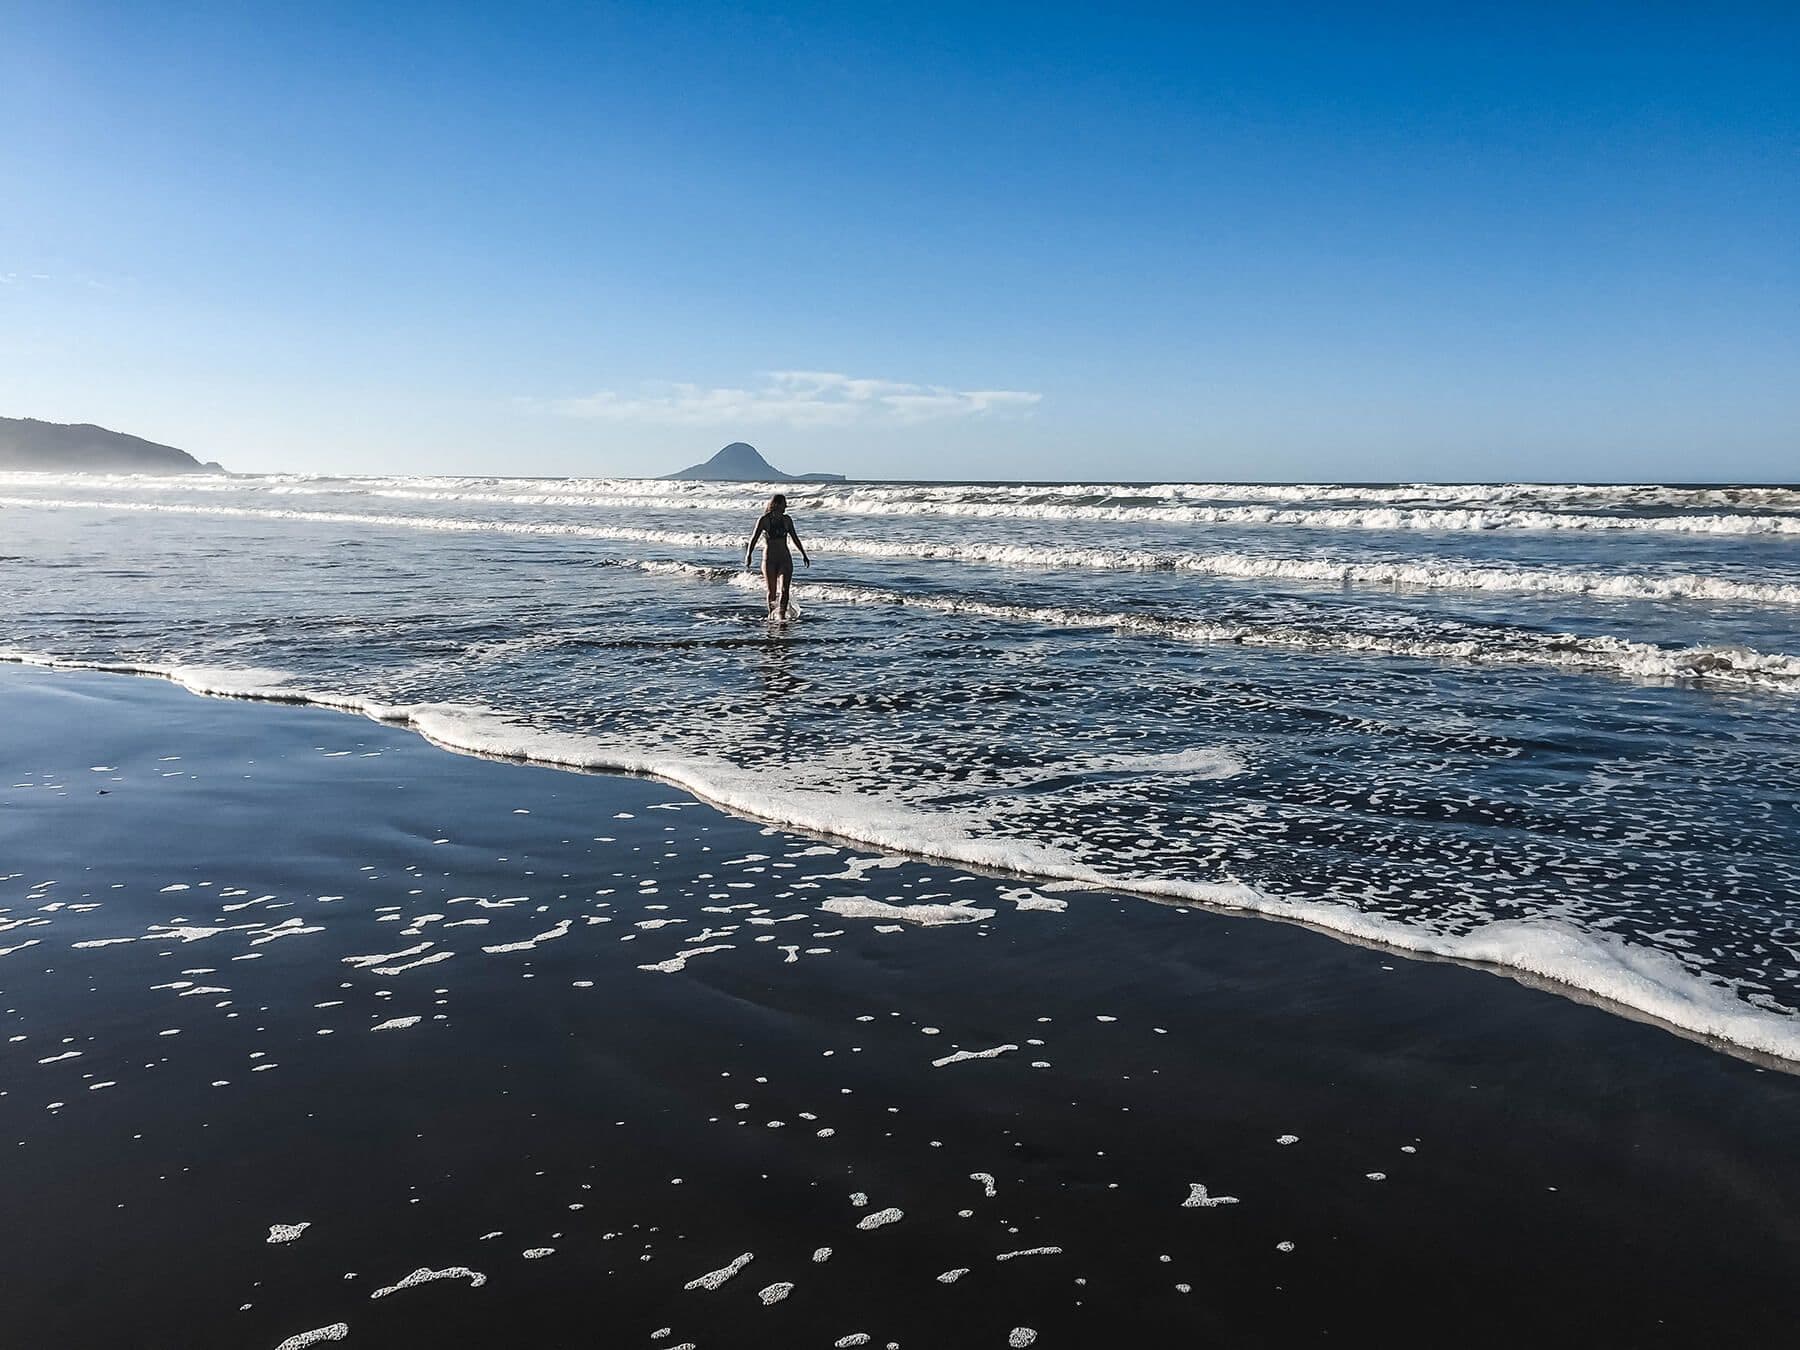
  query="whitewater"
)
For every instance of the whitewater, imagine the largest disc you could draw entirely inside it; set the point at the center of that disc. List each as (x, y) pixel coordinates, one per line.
(1547, 729)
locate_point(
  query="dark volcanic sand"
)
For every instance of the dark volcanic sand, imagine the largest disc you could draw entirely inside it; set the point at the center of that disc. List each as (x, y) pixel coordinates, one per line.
(1577, 1177)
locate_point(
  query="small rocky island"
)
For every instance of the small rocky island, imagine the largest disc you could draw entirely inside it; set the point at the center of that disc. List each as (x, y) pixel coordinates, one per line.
(740, 463)
(26, 443)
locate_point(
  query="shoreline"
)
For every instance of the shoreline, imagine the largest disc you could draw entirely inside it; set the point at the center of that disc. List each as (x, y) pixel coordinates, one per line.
(591, 1094)
(1662, 1001)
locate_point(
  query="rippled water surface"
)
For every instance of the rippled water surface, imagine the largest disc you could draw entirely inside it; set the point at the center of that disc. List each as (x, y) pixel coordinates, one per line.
(1551, 728)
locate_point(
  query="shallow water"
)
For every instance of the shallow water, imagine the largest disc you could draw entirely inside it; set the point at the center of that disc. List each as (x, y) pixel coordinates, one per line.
(307, 1025)
(1556, 729)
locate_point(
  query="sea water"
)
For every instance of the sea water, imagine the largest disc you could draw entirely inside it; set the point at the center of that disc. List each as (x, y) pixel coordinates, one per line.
(1550, 729)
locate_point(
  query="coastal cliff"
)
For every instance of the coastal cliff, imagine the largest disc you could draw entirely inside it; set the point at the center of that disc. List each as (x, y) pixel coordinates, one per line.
(26, 443)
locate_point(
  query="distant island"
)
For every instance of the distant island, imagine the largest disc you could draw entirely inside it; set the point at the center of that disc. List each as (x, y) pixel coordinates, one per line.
(740, 463)
(26, 443)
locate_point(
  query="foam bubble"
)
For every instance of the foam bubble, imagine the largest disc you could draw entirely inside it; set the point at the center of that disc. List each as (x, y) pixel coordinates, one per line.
(713, 1279)
(677, 963)
(425, 1275)
(1199, 1199)
(925, 915)
(962, 1055)
(335, 1332)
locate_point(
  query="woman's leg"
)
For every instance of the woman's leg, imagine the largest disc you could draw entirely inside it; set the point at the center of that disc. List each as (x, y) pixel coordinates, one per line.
(771, 574)
(787, 580)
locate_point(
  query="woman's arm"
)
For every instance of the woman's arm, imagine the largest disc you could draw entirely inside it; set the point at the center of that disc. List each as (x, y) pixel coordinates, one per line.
(750, 547)
(796, 534)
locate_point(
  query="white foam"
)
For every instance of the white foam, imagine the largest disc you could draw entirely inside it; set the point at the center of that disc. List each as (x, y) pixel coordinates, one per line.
(396, 1023)
(1413, 516)
(1645, 980)
(1738, 666)
(713, 1279)
(1025, 898)
(928, 916)
(1029, 1251)
(430, 960)
(549, 935)
(425, 1275)
(962, 1055)
(335, 1332)
(880, 1219)
(1199, 1199)
(677, 963)
(1227, 565)
(384, 959)
(286, 1232)
(701, 493)
(1203, 762)
(775, 1293)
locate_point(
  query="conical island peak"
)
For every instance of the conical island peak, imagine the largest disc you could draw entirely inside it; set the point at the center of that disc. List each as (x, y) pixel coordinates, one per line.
(741, 462)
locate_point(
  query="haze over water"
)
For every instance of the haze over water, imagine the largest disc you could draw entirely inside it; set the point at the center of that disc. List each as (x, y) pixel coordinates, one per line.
(1552, 728)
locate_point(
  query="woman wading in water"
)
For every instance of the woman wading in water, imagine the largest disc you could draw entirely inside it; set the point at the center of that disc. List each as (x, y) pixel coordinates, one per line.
(775, 529)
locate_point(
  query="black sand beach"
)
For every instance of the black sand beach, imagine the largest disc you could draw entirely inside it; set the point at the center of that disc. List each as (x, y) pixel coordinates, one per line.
(577, 1140)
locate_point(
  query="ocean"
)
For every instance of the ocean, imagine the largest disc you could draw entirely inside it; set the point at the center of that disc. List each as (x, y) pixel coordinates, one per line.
(1550, 730)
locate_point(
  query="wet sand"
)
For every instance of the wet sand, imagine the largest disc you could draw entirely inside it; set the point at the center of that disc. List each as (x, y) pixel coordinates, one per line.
(651, 1051)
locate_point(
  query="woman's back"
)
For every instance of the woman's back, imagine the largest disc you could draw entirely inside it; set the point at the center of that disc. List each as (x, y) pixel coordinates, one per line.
(774, 529)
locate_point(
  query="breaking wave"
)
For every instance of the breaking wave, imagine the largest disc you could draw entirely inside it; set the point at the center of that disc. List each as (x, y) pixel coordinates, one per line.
(1225, 565)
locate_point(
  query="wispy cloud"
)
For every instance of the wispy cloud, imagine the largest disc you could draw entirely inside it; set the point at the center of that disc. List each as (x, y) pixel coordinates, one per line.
(796, 398)
(32, 278)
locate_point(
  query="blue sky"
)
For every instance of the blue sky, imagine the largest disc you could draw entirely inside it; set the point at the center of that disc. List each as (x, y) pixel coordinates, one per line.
(1235, 241)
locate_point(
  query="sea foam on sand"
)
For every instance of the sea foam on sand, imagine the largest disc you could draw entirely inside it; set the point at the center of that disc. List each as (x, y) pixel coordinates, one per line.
(1640, 979)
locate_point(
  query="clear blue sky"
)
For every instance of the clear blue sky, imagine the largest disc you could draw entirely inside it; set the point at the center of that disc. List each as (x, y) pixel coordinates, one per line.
(1246, 241)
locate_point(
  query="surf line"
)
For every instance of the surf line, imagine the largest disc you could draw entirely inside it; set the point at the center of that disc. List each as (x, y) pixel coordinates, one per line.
(1738, 667)
(1641, 984)
(1427, 575)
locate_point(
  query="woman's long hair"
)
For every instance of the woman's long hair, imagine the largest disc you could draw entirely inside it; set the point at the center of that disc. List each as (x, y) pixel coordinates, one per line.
(778, 504)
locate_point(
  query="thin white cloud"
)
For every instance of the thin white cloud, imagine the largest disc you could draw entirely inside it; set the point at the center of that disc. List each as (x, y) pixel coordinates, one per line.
(795, 398)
